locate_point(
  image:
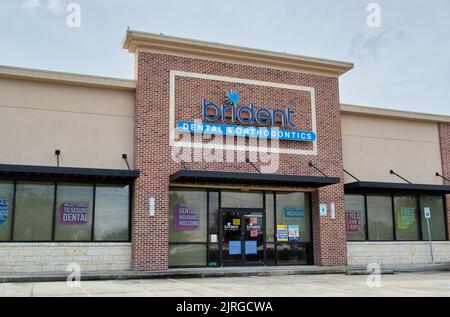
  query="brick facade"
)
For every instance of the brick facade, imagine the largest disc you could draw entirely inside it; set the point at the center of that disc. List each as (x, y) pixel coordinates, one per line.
(153, 154)
(444, 136)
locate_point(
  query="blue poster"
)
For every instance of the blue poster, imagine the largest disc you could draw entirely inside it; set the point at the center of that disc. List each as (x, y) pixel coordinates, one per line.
(234, 248)
(293, 212)
(251, 247)
(294, 232)
(3, 210)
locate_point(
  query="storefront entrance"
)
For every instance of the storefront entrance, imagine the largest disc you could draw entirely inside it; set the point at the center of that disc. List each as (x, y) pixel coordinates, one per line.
(241, 237)
(215, 228)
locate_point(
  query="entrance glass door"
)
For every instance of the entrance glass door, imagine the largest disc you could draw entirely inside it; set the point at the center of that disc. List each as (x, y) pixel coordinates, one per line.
(242, 237)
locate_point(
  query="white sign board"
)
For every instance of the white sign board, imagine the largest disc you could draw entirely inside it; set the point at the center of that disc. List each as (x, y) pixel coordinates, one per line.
(333, 211)
(427, 213)
(151, 206)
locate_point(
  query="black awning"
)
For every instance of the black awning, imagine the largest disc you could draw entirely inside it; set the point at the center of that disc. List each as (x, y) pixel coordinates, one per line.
(49, 173)
(380, 187)
(207, 177)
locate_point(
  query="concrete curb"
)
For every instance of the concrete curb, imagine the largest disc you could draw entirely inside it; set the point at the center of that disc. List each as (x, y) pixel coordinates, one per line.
(131, 275)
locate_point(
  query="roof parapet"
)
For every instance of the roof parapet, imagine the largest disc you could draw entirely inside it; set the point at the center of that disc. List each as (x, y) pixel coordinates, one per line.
(135, 40)
(66, 78)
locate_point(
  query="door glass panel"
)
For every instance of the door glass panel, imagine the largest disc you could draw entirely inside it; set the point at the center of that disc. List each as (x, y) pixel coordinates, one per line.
(242, 237)
(231, 237)
(253, 237)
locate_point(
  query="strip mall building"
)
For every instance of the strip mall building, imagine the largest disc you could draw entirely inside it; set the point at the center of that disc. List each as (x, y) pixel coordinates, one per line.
(350, 185)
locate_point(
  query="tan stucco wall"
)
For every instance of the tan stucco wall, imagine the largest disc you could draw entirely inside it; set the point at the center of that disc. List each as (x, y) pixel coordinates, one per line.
(91, 126)
(374, 145)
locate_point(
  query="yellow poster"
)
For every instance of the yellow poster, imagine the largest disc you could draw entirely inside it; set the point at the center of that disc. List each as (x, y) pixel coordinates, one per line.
(236, 222)
(282, 233)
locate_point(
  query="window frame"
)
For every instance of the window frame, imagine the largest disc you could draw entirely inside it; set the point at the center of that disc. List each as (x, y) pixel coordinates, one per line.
(419, 216)
(13, 209)
(366, 225)
(130, 211)
(207, 243)
(55, 184)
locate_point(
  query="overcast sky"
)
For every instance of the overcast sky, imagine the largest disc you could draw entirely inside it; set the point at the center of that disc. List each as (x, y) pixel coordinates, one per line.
(404, 64)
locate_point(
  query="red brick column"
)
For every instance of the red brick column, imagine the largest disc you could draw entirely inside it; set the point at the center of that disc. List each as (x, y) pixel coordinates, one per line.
(444, 135)
(329, 236)
(150, 241)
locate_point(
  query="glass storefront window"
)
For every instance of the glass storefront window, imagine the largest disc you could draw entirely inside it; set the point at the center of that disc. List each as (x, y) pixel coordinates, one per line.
(271, 253)
(112, 213)
(235, 199)
(187, 255)
(379, 214)
(406, 218)
(38, 217)
(213, 218)
(270, 217)
(213, 255)
(73, 219)
(213, 213)
(291, 254)
(34, 212)
(6, 210)
(355, 216)
(293, 213)
(187, 216)
(437, 221)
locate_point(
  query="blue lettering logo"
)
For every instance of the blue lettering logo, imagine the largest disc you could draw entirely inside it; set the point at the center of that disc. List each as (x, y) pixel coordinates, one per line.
(247, 115)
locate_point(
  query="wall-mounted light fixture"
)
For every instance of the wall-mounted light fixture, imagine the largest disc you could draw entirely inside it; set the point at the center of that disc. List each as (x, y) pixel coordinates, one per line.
(442, 176)
(399, 176)
(125, 157)
(57, 153)
(247, 160)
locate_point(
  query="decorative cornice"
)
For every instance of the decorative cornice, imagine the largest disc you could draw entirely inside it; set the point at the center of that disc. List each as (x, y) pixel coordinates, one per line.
(66, 78)
(135, 41)
(390, 113)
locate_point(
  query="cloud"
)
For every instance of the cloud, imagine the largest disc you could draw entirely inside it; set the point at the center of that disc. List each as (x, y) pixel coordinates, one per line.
(52, 6)
(372, 42)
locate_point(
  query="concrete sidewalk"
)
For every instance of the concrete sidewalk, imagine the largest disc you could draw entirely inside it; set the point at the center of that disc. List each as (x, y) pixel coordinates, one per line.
(217, 272)
(426, 284)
